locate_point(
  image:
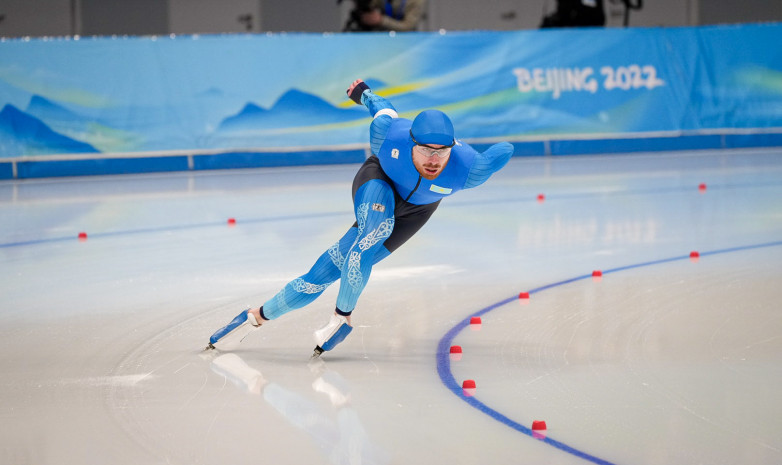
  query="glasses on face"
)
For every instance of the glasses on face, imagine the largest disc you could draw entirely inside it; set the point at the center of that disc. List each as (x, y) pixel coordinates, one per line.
(428, 151)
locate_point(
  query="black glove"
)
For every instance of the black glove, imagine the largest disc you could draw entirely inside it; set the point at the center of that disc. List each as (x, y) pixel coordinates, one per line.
(357, 91)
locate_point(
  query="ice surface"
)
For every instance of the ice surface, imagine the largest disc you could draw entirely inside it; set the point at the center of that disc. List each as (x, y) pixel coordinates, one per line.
(671, 362)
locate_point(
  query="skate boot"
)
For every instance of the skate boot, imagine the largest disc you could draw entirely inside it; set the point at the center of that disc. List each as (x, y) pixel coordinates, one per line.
(229, 336)
(335, 331)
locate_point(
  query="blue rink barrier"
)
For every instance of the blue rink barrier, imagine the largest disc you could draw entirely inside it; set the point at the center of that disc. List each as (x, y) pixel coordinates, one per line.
(7, 170)
(629, 145)
(98, 166)
(270, 159)
(41, 167)
(753, 140)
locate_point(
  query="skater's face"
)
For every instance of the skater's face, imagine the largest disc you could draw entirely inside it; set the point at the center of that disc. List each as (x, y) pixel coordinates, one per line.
(430, 160)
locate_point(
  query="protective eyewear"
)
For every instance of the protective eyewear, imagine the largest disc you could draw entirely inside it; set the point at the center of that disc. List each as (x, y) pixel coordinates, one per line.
(430, 151)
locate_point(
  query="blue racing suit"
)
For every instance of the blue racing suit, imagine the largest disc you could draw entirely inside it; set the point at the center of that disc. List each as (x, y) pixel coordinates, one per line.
(391, 201)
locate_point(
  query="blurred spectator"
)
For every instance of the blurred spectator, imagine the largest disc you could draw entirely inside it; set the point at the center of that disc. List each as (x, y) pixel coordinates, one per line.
(386, 15)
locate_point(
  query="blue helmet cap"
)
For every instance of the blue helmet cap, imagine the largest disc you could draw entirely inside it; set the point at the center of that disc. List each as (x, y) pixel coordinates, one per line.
(432, 127)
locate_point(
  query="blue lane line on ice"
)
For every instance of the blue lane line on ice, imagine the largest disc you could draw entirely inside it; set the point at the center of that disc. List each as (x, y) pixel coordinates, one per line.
(163, 229)
(444, 361)
(562, 196)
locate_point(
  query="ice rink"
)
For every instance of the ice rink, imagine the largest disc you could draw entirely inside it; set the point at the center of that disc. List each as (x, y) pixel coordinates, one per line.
(664, 360)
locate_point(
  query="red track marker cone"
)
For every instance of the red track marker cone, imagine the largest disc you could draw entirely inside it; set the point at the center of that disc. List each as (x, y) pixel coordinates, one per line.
(468, 387)
(539, 429)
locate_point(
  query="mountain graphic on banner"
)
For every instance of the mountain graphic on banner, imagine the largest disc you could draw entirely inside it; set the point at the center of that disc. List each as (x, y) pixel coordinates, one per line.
(23, 134)
(47, 110)
(72, 124)
(294, 109)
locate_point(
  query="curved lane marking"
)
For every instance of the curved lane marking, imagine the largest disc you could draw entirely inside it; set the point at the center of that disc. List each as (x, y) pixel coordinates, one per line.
(444, 361)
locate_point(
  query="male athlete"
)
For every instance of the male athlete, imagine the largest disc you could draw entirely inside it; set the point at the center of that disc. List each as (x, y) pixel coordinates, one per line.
(414, 165)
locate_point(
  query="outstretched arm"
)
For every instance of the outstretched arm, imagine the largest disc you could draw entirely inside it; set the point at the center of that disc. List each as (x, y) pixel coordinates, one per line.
(381, 110)
(488, 163)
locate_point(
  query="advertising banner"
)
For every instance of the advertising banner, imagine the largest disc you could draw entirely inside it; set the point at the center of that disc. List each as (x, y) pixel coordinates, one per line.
(113, 95)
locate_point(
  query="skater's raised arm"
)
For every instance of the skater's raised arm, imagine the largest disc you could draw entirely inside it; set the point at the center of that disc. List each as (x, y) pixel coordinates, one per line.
(381, 110)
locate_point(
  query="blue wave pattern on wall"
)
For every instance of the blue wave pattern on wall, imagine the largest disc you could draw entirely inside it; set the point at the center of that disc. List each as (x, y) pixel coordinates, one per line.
(189, 93)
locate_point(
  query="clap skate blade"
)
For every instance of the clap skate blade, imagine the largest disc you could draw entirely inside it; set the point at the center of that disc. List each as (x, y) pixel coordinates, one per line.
(317, 352)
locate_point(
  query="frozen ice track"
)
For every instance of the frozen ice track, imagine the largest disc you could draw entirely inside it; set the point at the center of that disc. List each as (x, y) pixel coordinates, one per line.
(115, 361)
(444, 359)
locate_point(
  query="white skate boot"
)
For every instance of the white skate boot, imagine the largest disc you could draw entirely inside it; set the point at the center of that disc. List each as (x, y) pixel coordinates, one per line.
(335, 331)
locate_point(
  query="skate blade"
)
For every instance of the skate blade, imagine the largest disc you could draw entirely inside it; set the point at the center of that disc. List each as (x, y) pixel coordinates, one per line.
(316, 353)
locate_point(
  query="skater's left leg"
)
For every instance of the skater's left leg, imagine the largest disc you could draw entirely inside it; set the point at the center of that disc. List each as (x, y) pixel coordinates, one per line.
(375, 215)
(374, 204)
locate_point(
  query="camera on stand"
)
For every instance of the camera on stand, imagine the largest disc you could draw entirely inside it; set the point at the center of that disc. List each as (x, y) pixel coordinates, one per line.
(576, 13)
(585, 13)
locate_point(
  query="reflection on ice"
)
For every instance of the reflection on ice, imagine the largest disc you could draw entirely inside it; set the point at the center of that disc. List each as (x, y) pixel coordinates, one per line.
(339, 433)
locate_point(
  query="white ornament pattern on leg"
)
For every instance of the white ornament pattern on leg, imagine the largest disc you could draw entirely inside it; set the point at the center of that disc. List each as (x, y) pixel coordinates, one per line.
(336, 256)
(361, 217)
(355, 279)
(382, 232)
(302, 286)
